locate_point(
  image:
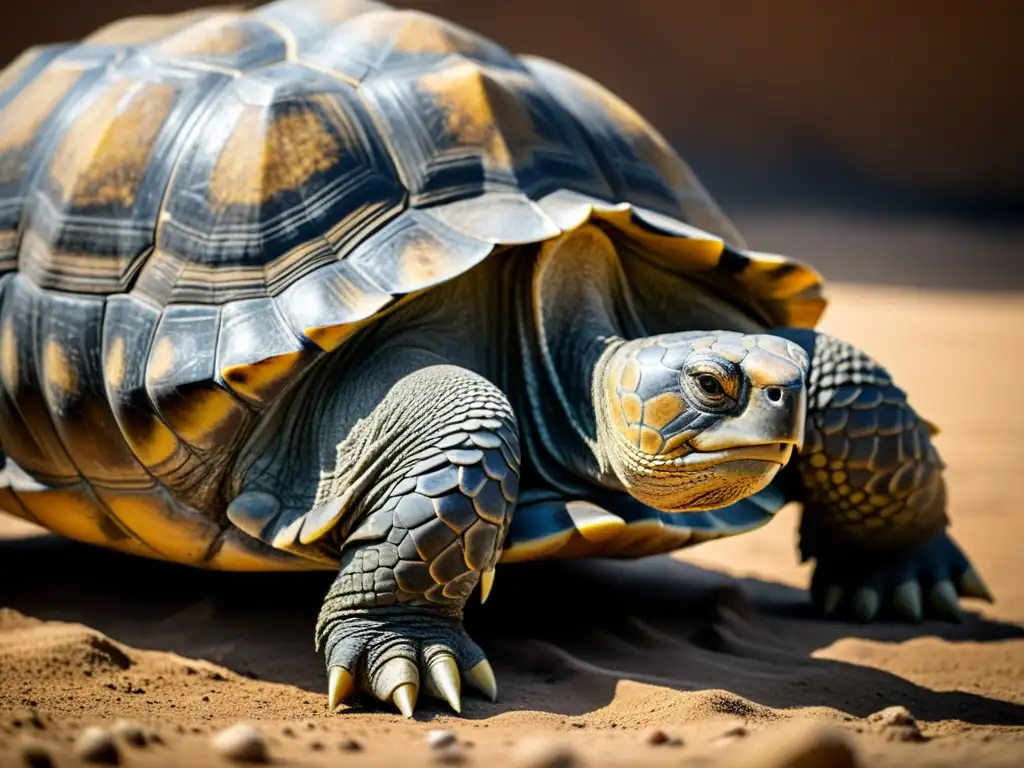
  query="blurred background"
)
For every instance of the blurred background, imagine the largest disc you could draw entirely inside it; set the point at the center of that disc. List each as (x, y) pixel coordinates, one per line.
(881, 141)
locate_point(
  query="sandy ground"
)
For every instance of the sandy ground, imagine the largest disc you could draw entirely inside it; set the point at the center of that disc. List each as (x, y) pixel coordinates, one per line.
(714, 645)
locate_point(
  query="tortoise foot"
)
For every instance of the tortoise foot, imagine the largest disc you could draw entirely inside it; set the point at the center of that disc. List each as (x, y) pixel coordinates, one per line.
(925, 584)
(394, 655)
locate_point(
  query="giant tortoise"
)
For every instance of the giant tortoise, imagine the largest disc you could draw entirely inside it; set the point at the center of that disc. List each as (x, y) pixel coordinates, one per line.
(328, 285)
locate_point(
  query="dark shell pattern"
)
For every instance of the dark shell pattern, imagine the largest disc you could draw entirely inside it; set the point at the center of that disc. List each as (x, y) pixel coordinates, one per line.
(195, 208)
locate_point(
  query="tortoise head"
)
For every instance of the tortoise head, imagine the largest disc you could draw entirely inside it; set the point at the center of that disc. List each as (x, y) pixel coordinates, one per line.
(692, 421)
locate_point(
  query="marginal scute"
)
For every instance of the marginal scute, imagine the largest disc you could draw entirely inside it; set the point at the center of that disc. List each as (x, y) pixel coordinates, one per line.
(414, 252)
(69, 354)
(258, 354)
(128, 329)
(172, 530)
(329, 305)
(37, 447)
(182, 382)
(74, 511)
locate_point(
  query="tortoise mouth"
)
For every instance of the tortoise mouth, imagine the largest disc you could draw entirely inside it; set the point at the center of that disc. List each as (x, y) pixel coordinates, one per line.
(775, 453)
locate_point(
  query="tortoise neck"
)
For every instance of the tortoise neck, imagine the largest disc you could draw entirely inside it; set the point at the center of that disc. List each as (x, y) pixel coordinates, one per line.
(576, 308)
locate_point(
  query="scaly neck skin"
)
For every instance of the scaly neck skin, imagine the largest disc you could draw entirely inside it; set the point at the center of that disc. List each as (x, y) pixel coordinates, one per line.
(579, 312)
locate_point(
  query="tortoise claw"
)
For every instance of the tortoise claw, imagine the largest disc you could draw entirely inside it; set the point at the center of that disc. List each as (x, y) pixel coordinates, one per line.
(444, 681)
(486, 583)
(865, 604)
(830, 602)
(971, 585)
(942, 599)
(404, 697)
(906, 601)
(340, 686)
(482, 678)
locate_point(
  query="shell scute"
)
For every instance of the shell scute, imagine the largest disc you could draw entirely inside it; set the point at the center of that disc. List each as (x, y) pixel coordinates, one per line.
(282, 177)
(182, 383)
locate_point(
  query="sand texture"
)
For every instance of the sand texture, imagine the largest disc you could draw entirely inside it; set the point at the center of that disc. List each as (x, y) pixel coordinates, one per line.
(715, 646)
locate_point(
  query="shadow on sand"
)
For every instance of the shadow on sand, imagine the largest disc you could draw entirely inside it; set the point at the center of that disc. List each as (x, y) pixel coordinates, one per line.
(584, 624)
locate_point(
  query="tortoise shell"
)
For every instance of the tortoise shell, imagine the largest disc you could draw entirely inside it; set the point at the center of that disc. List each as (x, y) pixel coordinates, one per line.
(196, 208)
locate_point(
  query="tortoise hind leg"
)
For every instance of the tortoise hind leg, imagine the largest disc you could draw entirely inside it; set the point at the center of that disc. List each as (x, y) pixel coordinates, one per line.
(392, 620)
(874, 496)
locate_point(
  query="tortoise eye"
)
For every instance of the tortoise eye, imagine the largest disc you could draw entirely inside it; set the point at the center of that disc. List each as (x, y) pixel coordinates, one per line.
(710, 385)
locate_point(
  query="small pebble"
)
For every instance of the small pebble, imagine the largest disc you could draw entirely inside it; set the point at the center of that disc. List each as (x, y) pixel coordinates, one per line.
(242, 743)
(96, 745)
(892, 716)
(541, 753)
(656, 736)
(896, 724)
(316, 746)
(35, 755)
(131, 732)
(350, 745)
(438, 738)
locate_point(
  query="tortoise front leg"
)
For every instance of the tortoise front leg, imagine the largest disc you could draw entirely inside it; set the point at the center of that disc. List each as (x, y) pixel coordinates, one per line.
(392, 621)
(873, 493)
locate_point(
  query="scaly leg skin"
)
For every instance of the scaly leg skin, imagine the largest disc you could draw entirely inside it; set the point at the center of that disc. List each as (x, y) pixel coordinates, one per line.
(391, 623)
(874, 497)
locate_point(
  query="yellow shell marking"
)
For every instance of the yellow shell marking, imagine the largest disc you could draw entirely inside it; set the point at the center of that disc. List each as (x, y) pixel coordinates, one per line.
(207, 411)
(114, 365)
(421, 263)
(9, 356)
(157, 446)
(161, 359)
(21, 120)
(103, 156)
(61, 378)
(251, 379)
(214, 36)
(176, 538)
(266, 156)
(480, 111)
(74, 513)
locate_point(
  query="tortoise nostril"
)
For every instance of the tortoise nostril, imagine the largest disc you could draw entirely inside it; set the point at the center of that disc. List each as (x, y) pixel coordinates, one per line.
(774, 394)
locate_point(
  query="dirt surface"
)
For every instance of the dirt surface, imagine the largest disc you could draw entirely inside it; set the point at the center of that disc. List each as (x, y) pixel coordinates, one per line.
(714, 646)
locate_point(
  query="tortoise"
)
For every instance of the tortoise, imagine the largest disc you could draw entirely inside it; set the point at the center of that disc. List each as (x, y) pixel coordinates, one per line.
(329, 285)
